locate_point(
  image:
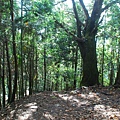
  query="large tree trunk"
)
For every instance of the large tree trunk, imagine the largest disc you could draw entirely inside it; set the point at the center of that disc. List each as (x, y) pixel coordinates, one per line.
(88, 53)
(117, 80)
(88, 46)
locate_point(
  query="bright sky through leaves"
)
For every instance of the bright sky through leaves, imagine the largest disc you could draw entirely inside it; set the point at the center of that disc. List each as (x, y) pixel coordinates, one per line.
(69, 2)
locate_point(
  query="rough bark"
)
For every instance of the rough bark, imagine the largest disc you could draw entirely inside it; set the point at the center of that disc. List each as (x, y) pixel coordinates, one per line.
(90, 71)
(117, 80)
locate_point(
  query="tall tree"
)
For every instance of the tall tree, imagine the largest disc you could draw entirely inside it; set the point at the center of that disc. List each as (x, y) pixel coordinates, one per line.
(3, 75)
(14, 51)
(86, 39)
(21, 37)
(9, 72)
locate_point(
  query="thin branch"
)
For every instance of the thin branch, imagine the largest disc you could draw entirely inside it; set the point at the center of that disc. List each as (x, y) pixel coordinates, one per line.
(84, 8)
(101, 19)
(60, 2)
(109, 5)
(70, 33)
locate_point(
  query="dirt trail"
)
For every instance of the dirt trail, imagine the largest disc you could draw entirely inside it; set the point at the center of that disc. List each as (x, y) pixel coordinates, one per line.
(82, 104)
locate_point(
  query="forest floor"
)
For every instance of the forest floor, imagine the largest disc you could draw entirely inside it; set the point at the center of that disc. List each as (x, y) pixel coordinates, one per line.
(87, 103)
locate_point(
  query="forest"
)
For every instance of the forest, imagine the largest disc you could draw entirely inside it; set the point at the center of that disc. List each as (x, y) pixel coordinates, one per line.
(58, 45)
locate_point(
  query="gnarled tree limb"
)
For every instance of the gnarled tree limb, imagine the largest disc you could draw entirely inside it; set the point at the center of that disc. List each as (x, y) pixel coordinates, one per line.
(76, 14)
(84, 8)
(69, 32)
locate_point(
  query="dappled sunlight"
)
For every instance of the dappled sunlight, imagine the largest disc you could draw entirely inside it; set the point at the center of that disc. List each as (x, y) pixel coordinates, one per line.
(48, 116)
(24, 114)
(107, 111)
(30, 104)
(66, 105)
(74, 101)
(80, 99)
(93, 102)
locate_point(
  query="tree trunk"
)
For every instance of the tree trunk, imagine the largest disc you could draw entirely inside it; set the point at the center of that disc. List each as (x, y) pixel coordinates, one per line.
(14, 51)
(103, 55)
(88, 53)
(36, 70)
(3, 76)
(117, 80)
(30, 76)
(57, 78)
(21, 42)
(9, 72)
(45, 70)
(0, 64)
(75, 67)
(111, 74)
(0, 79)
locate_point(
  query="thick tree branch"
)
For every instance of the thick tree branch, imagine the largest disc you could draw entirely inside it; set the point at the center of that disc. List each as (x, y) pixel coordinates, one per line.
(76, 14)
(75, 10)
(109, 5)
(95, 16)
(84, 8)
(70, 33)
(96, 10)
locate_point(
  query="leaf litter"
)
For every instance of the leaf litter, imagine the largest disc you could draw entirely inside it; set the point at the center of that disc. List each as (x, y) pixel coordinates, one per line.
(86, 103)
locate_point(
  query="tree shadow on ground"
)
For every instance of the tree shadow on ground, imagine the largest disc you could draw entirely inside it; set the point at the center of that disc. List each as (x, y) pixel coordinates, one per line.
(82, 104)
